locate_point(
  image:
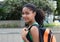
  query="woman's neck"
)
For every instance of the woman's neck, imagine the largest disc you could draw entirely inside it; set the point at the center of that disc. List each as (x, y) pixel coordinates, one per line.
(31, 22)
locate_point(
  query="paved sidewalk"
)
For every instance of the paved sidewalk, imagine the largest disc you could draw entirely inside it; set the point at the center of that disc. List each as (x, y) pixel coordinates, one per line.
(14, 34)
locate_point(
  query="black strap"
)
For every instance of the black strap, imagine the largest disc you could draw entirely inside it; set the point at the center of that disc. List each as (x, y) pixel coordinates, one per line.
(33, 25)
(41, 34)
(28, 37)
(49, 36)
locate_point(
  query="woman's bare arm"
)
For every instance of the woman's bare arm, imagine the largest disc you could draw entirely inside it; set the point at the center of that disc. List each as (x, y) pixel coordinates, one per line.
(35, 34)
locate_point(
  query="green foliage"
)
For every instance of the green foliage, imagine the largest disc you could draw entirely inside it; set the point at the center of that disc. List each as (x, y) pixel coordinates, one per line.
(49, 25)
(2, 14)
(58, 7)
(52, 24)
(9, 25)
(11, 9)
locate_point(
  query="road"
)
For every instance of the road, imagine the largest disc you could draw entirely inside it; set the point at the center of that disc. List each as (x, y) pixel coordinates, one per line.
(14, 34)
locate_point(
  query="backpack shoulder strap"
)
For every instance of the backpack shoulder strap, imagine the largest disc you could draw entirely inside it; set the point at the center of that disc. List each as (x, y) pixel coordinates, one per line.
(49, 36)
(41, 34)
(33, 25)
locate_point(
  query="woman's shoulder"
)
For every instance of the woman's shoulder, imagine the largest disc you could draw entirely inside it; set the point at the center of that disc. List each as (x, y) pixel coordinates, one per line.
(34, 26)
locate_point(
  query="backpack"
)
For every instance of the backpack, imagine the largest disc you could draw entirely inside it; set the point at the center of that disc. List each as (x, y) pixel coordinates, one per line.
(45, 34)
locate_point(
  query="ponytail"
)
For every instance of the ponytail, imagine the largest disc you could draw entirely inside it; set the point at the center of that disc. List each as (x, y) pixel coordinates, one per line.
(39, 16)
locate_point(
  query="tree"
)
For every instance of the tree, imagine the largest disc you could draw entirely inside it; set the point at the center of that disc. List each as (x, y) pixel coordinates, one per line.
(11, 9)
(58, 7)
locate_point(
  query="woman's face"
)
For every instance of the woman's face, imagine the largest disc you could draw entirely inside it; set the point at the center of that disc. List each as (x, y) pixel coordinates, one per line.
(28, 14)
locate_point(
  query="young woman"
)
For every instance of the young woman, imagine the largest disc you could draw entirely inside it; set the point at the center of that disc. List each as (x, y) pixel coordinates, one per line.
(31, 16)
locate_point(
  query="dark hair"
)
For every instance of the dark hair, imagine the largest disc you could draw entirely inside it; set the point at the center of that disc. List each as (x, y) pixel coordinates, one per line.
(39, 13)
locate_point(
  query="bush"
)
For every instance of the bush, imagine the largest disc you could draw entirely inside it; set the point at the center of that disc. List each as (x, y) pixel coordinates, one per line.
(12, 8)
(9, 26)
(52, 25)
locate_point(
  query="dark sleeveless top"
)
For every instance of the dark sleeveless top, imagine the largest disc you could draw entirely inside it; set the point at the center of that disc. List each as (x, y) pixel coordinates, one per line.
(29, 36)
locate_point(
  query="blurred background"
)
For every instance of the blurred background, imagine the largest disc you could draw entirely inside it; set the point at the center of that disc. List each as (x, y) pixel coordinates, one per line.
(11, 21)
(10, 12)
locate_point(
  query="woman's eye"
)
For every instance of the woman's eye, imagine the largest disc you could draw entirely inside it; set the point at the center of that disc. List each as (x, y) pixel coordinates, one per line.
(26, 13)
